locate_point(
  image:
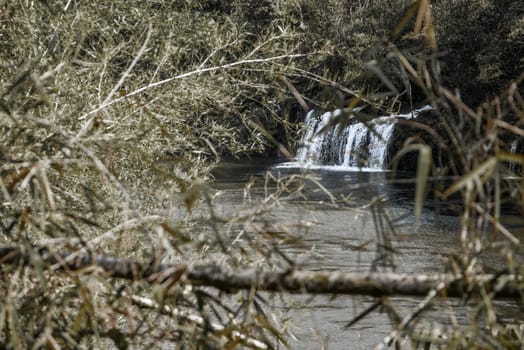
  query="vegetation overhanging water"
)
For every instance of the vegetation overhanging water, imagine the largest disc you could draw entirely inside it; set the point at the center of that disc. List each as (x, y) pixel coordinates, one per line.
(113, 116)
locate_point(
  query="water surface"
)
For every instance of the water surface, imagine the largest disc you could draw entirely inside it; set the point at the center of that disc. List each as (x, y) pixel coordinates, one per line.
(346, 240)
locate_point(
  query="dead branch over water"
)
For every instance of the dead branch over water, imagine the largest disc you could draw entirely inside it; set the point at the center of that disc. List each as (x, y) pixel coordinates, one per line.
(291, 281)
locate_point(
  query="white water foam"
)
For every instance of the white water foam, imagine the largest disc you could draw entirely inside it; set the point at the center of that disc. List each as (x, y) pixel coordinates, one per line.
(358, 147)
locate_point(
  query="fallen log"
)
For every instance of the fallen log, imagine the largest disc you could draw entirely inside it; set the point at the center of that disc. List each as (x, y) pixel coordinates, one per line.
(291, 281)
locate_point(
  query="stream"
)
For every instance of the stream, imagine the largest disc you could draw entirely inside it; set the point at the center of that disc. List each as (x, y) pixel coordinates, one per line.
(345, 240)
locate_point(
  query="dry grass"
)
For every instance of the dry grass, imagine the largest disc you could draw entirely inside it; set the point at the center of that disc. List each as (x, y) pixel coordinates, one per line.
(112, 115)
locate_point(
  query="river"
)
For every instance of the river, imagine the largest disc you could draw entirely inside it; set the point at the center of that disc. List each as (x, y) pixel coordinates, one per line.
(346, 240)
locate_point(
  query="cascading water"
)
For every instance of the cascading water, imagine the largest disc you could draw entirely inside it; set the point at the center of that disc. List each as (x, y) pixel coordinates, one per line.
(514, 148)
(357, 145)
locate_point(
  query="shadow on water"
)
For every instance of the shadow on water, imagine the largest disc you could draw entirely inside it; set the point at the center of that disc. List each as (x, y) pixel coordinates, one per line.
(346, 240)
(231, 173)
(396, 187)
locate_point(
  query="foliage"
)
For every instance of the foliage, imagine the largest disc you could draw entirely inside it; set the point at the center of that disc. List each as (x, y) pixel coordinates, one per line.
(483, 50)
(478, 150)
(113, 113)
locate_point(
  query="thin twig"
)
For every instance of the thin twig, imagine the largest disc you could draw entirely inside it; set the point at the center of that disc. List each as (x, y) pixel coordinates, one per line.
(185, 75)
(131, 66)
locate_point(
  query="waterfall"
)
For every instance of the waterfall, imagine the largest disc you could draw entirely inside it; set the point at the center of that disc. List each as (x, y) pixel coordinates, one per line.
(356, 145)
(514, 148)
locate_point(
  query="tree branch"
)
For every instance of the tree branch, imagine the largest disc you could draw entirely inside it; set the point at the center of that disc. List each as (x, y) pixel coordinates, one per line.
(314, 282)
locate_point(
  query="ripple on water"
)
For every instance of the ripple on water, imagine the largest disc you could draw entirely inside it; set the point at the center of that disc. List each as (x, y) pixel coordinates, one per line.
(346, 240)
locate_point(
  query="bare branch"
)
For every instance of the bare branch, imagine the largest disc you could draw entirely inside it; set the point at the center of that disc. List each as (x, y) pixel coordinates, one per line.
(188, 74)
(131, 66)
(314, 282)
(196, 319)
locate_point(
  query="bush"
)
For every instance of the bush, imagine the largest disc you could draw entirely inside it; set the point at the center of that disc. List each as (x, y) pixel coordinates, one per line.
(113, 113)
